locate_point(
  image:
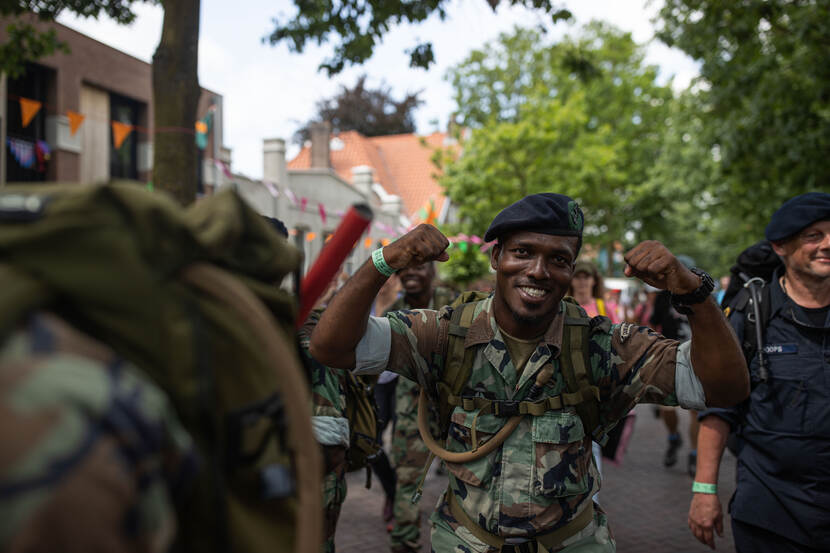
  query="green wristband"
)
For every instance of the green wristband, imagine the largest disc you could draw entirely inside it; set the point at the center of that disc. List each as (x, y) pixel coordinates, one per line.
(380, 263)
(702, 487)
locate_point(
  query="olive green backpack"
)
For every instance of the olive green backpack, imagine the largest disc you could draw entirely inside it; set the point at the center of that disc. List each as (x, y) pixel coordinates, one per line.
(191, 297)
(363, 423)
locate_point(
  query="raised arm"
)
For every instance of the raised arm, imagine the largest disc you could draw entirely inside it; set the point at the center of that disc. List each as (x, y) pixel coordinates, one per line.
(343, 323)
(716, 355)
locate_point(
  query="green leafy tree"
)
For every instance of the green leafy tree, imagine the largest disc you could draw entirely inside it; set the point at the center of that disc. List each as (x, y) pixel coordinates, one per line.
(582, 117)
(371, 112)
(766, 92)
(358, 26)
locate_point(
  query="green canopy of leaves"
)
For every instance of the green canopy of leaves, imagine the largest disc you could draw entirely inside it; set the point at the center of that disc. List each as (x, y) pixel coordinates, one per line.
(582, 117)
(765, 92)
(358, 26)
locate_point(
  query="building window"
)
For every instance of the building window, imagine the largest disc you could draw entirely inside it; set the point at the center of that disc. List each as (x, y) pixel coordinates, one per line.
(124, 160)
(27, 152)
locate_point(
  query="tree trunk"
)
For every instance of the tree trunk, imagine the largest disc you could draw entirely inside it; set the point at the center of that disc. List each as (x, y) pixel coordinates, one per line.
(175, 100)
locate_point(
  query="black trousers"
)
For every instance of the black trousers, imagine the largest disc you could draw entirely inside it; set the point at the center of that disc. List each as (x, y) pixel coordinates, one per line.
(754, 539)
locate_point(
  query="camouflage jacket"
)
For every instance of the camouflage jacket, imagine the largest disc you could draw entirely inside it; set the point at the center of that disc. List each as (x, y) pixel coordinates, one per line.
(543, 475)
(94, 457)
(328, 396)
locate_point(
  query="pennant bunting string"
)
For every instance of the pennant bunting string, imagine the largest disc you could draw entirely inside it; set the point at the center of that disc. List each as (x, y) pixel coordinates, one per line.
(75, 120)
(120, 132)
(28, 110)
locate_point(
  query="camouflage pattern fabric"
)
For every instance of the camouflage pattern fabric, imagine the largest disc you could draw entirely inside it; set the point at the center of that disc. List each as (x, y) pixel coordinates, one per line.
(409, 454)
(543, 475)
(94, 457)
(448, 535)
(334, 494)
(328, 399)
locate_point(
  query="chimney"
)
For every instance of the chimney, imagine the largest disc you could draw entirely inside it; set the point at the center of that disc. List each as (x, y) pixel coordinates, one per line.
(273, 161)
(320, 136)
(392, 204)
(362, 180)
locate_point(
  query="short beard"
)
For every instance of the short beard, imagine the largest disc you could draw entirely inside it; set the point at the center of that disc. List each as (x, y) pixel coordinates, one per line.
(532, 320)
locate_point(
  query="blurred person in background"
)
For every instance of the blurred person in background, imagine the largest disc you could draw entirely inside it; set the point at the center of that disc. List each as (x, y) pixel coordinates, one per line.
(588, 290)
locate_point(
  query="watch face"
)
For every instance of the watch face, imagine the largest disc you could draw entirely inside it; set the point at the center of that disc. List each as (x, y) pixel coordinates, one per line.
(707, 284)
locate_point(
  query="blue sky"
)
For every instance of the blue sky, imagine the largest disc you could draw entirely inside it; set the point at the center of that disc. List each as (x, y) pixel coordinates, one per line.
(268, 90)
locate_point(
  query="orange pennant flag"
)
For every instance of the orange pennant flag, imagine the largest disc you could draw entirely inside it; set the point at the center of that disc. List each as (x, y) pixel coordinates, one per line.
(431, 215)
(384, 242)
(367, 243)
(75, 120)
(309, 237)
(120, 132)
(28, 110)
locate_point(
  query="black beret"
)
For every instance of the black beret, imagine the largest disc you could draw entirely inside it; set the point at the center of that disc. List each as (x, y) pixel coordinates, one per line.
(547, 213)
(277, 225)
(796, 214)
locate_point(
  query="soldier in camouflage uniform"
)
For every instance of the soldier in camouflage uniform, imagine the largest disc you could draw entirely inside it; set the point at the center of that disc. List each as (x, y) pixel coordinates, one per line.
(409, 454)
(94, 457)
(533, 492)
(331, 430)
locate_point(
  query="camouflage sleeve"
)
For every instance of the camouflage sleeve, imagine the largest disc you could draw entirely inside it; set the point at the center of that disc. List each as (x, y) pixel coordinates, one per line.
(94, 454)
(418, 343)
(632, 364)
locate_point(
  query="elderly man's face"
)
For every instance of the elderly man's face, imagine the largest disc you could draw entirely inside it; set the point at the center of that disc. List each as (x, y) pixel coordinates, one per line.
(808, 254)
(533, 271)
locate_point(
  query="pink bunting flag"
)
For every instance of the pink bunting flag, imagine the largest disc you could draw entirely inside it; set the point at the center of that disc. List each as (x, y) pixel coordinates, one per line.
(463, 237)
(303, 203)
(475, 239)
(486, 246)
(322, 211)
(291, 197)
(225, 170)
(272, 188)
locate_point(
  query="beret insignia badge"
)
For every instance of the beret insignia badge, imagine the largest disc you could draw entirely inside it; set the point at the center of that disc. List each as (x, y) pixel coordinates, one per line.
(574, 216)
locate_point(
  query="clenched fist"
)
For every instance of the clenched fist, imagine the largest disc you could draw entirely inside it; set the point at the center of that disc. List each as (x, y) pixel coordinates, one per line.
(422, 244)
(654, 264)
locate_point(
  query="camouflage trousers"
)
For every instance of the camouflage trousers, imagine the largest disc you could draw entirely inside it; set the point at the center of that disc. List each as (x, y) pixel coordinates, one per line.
(334, 494)
(409, 454)
(448, 535)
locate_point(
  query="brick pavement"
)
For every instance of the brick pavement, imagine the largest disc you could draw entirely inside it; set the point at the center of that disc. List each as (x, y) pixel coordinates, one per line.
(647, 504)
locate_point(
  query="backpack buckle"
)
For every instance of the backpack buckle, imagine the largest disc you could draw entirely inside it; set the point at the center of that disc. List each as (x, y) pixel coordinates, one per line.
(506, 408)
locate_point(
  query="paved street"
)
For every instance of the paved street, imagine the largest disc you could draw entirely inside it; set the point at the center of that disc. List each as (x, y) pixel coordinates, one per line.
(647, 504)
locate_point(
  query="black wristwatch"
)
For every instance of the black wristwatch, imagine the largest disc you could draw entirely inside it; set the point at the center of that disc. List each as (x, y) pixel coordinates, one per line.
(681, 301)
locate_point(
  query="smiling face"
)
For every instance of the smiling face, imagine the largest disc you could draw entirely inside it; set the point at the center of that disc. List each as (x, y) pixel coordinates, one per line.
(533, 271)
(807, 255)
(417, 281)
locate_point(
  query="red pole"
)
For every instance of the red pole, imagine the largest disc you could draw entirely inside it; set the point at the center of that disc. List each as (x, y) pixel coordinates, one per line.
(335, 251)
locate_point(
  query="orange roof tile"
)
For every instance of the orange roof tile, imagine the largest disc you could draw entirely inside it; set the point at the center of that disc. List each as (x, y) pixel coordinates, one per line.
(402, 165)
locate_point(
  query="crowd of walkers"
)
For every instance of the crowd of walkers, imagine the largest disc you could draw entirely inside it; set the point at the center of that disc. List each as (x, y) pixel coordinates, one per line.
(154, 401)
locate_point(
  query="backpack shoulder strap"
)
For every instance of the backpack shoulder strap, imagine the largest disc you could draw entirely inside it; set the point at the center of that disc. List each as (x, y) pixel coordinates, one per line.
(574, 362)
(459, 360)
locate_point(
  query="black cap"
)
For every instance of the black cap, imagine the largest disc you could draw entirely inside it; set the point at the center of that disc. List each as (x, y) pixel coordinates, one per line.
(547, 213)
(277, 225)
(796, 214)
